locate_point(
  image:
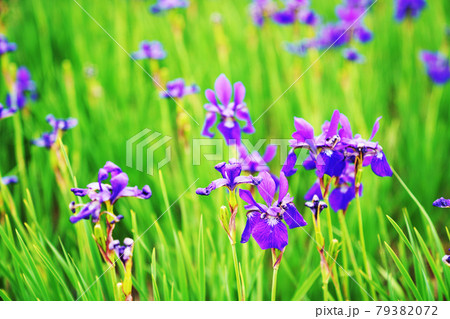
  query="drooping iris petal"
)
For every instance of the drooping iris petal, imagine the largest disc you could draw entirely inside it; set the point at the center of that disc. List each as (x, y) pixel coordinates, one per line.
(145, 193)
(293, 217)
(215, 184)
(231, 131)
(380, 165)
(288, 167)
(252, 218)
(243, 114)
(223, 89)
(209, 122)
(267, 188)
(330, 162)
(270, 233)
(118, 183)
(90, 209)
(341, 197)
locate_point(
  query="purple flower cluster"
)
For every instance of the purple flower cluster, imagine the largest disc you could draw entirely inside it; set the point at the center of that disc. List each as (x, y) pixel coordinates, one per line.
(253, 162)
(336, 153)
(437, 66)
(178, 89)
(408, 8)
(229, 110)
(349, 27)
(164, 5)
(6, 46)
(149, 50)
(59, 125)
(100, 193)
(261, 10)
(265, 221)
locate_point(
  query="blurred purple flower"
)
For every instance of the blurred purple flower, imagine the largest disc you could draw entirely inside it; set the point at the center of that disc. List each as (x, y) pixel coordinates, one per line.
(23, 88)
(300, 48)
(149, 50)
(408, 8)
(59, 125)
(178, 89)
(6, 46)
(353, 55)
(446, 258)
(100, 193)
(11, 179)
(437, 66)
(7, 112)
(442, 203)
(164, 5)
(264, 223)
(230, 178)
(228, 110)
(260, 10)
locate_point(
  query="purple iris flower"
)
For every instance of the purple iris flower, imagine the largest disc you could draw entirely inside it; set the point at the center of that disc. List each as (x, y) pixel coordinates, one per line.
(24, 87)
(370, 152)
(59, 125)
(123, 252)
(6, 46)
(442, 203)
(149, 50)
(322, 155)
(7, 112)
(178, 89)
(164, 5)
(408, 8)
(332, 34)
(254, 162)
(437, 66)
(260, 10)
(12, 179)
(228, 110)
(230, 178)
(265, 221)
(353, 55)
(100, 193)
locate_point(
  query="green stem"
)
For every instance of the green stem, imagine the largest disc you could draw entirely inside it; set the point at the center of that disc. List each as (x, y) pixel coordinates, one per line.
(274, 284)
(236, 270)
(363, 243)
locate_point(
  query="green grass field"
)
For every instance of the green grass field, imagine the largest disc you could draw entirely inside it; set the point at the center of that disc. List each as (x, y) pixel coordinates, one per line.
(181, 251)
